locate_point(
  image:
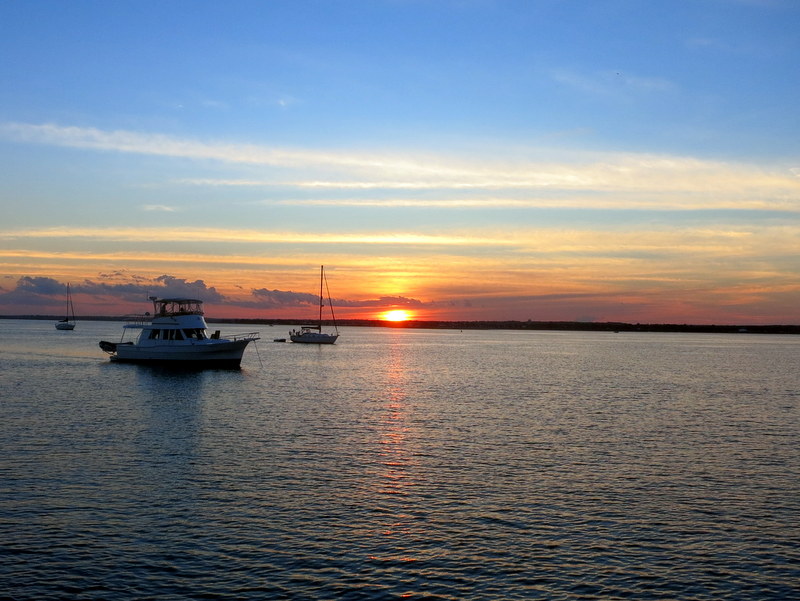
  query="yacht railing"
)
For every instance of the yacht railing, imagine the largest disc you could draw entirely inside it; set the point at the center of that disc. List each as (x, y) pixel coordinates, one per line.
(138, 319)
(248, 336)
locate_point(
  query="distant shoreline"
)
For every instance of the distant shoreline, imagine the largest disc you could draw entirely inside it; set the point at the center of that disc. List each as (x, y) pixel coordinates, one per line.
(487, 325)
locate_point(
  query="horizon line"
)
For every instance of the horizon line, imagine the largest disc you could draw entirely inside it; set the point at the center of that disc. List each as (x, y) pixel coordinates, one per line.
(528, 324)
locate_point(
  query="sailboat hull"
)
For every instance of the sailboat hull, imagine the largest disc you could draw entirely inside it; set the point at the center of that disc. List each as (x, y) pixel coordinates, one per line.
(314, 338)
(63, 325)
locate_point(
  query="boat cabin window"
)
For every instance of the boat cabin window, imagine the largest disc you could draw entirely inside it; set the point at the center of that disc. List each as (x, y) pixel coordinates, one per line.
(165, 335)
(194, 333)
(171, 335)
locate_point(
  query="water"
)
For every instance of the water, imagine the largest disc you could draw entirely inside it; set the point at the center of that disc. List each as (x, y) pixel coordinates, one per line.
(403, 464)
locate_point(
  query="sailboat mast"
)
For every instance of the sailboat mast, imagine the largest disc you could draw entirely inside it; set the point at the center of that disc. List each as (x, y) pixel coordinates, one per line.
(330, 302)
(321, 298)
(70, 308)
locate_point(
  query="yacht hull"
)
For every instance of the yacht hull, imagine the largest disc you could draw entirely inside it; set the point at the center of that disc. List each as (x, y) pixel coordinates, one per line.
(222, 353)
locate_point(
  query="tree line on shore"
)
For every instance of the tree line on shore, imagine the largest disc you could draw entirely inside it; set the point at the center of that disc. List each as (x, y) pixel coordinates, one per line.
(588, 326)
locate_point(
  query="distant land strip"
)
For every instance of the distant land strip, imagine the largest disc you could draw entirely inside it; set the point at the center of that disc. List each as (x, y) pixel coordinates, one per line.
(588, 326)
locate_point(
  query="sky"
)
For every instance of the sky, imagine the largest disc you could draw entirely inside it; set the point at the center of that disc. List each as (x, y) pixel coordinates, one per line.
(551, 160)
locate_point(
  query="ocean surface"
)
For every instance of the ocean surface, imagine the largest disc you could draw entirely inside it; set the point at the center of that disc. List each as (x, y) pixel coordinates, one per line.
(403, 464)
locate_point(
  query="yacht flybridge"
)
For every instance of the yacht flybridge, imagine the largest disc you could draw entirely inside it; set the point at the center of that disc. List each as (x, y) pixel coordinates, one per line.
(176, 335)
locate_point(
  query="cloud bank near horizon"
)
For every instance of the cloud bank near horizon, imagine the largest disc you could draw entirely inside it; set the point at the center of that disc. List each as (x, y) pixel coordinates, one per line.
(126, 287)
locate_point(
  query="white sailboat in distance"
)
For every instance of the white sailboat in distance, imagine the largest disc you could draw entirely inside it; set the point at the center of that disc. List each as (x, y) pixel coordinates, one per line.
(68, 323)
(313, 334)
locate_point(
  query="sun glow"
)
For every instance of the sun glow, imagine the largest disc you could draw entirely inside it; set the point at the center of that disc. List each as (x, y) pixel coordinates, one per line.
(395, 315)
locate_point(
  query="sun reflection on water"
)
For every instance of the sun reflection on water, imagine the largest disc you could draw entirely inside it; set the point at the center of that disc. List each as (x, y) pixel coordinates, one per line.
(393, 430)
(398, 476)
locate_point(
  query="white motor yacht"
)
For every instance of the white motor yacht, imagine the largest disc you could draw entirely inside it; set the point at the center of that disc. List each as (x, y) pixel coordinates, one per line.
(176, 335)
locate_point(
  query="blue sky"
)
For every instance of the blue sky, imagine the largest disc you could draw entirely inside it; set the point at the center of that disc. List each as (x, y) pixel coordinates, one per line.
(607, 160)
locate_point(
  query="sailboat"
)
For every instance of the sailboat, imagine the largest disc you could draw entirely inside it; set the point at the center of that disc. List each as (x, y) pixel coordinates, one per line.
(314, 334)
(68, 323)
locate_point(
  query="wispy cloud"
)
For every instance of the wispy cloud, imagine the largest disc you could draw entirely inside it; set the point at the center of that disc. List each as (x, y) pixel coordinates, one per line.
(286, 102)
(606, 241)
(633, 182)
(213, 104)
(164, 145)
(640, 174)
(611, 83)
(617, 180)
(235, 236)
(159, 208)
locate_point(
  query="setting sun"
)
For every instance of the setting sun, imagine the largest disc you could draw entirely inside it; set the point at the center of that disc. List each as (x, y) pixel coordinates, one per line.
(396, 315)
